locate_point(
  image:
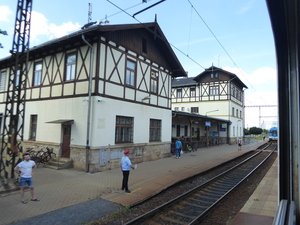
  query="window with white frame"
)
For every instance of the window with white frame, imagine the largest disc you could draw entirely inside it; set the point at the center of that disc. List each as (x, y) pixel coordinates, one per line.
(153, 82)
(130, 73)
(194, 109)
(2, 81)
(192, 92)
(179, 93)
(37, 74)
(233, 91)
(70, 66)
(214, 90)
(155, 130)
(124, 129)
(33, 126)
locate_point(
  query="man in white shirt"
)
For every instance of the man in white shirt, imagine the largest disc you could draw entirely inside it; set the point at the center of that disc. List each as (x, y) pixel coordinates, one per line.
(125, 166)
(26, 168)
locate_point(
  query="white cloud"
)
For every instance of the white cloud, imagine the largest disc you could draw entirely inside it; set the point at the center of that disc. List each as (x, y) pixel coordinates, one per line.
(248, 6)
(261, 98)
(262, 92)
(42, 29)
(4, 13)
(65, 28)
(264, 75)
(261, 76)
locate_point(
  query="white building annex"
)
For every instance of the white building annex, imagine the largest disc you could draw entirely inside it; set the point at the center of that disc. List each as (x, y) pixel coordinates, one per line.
(216, 97)
(131, 68)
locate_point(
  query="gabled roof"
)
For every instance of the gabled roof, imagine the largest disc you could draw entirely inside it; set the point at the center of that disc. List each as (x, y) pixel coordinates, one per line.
(184, 82)
(69, 41)
(193, 81)
(233, 77)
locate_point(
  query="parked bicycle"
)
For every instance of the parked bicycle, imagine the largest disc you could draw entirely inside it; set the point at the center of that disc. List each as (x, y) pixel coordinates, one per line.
(191, 147)
(41, 156)
(47, 154)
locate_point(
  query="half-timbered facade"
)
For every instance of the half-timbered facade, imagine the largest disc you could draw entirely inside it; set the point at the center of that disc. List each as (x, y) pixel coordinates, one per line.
(94, 93)
(213, 93)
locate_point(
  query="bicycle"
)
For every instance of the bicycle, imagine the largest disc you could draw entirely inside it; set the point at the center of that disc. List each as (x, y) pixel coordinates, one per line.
(47, 155)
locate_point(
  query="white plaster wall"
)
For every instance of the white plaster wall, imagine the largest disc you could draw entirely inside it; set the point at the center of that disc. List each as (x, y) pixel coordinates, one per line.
(50, 110)
(104, 117)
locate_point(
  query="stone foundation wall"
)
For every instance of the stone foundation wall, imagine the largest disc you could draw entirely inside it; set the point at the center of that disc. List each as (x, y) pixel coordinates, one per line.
(106, 158)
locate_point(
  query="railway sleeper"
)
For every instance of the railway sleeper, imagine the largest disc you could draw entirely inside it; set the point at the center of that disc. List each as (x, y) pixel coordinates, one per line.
(162, 219)
(228, 183)
(214, 191)
(183, 217)
(210, 188)
(151, 222)
(204, 202)
(181, 214)
(194, 203)
(187, 210)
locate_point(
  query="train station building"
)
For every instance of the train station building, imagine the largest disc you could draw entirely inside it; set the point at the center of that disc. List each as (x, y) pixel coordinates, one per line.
(209, 107)
(90, 102)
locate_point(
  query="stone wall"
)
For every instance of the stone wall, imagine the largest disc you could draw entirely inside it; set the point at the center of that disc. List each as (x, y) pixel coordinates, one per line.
(106, 158)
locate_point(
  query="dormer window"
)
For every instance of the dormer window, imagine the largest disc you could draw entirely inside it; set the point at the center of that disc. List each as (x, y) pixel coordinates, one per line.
(214, 75)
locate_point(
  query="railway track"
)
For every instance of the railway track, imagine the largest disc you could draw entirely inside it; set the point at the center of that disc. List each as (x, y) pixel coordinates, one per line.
(194, 205)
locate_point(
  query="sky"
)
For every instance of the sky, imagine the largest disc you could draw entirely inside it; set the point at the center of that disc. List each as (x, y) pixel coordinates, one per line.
(235, 35)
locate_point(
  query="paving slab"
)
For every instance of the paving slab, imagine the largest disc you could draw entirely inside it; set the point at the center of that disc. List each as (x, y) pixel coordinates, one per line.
(70, 190)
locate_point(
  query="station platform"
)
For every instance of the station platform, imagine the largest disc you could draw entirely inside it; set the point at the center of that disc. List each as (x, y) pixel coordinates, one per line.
(75, 197)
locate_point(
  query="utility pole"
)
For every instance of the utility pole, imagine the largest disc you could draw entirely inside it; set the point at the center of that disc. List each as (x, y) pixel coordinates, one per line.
(259, 107)
(13, 124)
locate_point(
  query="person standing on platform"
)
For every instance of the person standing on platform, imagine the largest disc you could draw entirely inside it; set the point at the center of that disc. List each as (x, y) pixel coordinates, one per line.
(239, 144)
(178, 146)
(125, 166)
(26, 168)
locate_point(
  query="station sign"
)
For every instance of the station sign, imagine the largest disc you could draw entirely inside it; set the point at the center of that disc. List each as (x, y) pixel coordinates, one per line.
(207, 123)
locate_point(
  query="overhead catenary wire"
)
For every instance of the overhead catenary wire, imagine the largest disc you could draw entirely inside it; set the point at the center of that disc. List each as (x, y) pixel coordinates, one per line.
(222, 47)
(152, 31)
(187, 54)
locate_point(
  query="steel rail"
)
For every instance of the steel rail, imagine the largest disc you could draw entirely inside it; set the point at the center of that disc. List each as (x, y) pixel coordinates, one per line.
(145, 216)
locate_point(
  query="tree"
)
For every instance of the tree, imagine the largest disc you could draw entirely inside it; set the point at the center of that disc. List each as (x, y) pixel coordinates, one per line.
(255, 130)
(246, 131)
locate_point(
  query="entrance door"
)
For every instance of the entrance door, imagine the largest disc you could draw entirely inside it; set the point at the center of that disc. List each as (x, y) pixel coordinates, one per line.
(66, 141)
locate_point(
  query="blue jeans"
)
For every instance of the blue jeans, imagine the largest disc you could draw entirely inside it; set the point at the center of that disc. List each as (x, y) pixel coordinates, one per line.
(25, 180)
(178, 152)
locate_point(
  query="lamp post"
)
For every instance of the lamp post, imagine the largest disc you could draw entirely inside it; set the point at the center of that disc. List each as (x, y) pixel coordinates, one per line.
(238, 128)
(211, 111)
(242, 130)
(207, 126)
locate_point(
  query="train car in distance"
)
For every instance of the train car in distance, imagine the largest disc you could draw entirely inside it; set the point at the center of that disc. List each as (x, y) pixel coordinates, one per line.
(273, 134)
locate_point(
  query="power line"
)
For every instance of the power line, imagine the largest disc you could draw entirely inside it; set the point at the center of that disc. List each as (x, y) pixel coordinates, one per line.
(152, 32)
(187, 55)
(222, 46)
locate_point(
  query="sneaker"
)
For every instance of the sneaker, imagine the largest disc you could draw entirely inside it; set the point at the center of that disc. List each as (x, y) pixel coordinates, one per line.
(176, 157)
(128, 191)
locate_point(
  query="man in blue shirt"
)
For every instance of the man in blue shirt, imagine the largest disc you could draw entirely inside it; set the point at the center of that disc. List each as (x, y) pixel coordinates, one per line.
(125, 165)
(178, 146)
